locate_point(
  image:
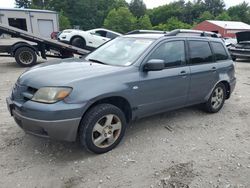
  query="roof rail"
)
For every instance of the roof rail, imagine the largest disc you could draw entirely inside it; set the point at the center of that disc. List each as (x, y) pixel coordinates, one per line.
(146, 32)
(194, 32)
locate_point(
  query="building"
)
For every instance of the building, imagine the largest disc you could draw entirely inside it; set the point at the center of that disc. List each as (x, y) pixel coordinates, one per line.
(225, 28)
(38, 22)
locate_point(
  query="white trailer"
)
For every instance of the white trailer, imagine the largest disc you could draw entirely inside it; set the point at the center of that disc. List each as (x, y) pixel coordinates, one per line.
(38, 22)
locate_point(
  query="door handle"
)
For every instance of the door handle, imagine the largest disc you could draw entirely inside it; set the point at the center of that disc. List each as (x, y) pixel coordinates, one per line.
(183, 73)
(214, 69)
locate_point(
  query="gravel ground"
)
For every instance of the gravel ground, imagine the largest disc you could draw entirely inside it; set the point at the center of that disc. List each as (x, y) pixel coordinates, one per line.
(183, 148)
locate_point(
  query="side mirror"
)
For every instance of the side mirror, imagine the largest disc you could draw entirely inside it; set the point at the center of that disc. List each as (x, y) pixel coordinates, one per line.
(154, 65)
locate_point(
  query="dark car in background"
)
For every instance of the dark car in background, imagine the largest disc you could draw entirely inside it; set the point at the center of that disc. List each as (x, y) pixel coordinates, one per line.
(242, 48)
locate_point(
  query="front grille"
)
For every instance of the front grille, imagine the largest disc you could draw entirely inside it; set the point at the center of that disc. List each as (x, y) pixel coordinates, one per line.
(22, 93)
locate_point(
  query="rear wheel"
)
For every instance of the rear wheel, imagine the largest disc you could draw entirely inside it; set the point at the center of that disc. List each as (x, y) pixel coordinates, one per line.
(78, 42)
(102, 128)
(26, 57)
(217, 99)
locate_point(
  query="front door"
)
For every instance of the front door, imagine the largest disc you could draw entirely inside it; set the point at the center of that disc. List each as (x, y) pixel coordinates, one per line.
(166, 89)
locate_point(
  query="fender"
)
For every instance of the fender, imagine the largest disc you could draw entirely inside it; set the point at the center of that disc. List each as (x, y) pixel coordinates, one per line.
(221, 80)
(17, 45)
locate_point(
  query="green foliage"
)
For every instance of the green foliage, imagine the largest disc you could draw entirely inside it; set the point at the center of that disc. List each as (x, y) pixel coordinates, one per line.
(161, 27)
(122, 17)
(240, 12)
(144, 23)
(22, 3)
(163, 13)
(63, 21)
(172, 23)
(205, 16)
(223, 16)
(138, 8)
(120, 20)
(216, 7)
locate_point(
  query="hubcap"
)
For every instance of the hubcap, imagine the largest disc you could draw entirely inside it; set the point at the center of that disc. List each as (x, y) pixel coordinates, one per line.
(106, 131)
(217, 97)
(26, 57)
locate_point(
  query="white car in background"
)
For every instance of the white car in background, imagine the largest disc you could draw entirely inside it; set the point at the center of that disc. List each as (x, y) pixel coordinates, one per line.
(88, 40)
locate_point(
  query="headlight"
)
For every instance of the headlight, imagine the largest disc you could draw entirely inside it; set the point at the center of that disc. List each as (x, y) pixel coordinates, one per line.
(51, 94)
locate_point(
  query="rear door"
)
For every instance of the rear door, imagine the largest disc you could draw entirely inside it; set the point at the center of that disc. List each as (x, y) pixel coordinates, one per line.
(204, 74)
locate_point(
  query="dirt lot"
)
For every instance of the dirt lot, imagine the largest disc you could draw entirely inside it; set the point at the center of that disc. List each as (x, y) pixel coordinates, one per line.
(184, 148)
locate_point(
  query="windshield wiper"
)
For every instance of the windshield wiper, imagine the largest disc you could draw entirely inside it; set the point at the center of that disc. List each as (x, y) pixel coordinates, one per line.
(97, 61)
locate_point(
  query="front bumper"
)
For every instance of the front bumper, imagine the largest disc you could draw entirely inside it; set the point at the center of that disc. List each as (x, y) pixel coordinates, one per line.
(64, 128)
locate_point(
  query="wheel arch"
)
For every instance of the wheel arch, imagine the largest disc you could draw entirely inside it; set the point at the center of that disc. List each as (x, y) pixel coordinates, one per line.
(118, 101)
(227, 86)
(18, 45)
(77, 36)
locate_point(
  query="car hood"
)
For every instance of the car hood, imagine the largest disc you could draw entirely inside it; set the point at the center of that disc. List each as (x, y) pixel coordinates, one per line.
(64, 73)
(243, 36)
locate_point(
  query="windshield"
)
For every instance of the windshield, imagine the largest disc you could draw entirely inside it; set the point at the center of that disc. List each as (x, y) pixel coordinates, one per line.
(121, 51)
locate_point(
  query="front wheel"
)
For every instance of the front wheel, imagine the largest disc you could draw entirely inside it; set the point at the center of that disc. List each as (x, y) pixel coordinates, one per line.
(102, 128)
(216, 100)
(78, 42)
(25, 56)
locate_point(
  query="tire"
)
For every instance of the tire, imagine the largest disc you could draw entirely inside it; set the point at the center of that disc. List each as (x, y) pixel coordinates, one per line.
(216, 100)
(25, 56)
(78, 42)
(234, 58)
(102, 128)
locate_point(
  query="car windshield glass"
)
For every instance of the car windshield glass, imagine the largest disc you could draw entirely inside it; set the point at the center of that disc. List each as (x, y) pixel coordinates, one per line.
(122, 51)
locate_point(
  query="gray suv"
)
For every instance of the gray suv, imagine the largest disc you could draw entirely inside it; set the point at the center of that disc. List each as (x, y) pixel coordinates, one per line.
(94, 98)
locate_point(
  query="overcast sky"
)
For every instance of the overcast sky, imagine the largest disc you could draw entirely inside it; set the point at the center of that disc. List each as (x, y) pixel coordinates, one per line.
(149, 3)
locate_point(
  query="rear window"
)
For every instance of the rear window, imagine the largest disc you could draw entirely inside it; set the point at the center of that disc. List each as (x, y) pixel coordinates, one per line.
(219, 51)
(200, 52)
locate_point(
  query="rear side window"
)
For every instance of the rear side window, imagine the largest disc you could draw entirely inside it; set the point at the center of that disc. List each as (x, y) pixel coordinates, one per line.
(101, 33)
(111, 35)
(200, 52)
(219, 51)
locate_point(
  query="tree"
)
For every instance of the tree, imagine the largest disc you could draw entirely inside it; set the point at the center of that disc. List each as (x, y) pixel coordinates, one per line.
(205, 16)
(240, 12)
(118, 3)
(214, 6)
(144, 22)
(120, 20)
(63, 21)
(172, 23)
(138, 8)
(223, 16)
(23, 3)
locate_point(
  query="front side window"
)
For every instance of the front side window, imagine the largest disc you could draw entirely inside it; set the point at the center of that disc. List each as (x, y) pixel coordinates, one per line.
(121, 51)
(172, 53)
(200, 52)
(219, 51)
